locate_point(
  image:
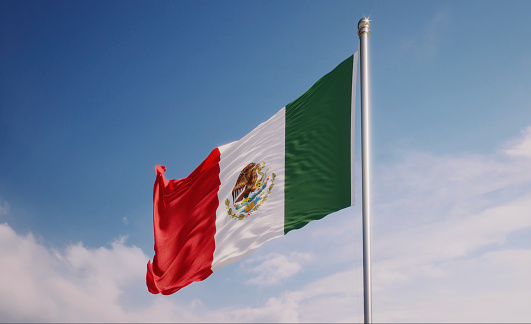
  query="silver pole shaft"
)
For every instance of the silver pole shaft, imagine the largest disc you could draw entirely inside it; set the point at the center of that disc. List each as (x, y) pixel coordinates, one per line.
(363, 33)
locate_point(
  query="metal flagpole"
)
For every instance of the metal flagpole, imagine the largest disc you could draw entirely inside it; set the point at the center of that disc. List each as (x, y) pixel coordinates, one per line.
(363, 33)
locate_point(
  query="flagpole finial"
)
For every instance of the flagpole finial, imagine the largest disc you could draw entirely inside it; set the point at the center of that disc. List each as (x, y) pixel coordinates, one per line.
(364, 26)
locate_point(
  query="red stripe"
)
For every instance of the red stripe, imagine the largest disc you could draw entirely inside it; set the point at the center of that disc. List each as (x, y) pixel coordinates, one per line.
(184, 219)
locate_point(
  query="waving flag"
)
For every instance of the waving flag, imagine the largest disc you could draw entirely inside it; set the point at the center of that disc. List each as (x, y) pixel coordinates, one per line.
(292, 169)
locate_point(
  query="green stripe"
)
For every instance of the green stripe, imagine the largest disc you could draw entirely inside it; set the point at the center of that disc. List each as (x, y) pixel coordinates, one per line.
(318, 149)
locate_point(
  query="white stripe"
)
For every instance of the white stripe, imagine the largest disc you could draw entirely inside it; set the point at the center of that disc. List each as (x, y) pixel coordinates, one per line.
(236, 238)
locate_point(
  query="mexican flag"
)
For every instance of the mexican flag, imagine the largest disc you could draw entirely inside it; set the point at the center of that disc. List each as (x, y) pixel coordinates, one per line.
(292, 169)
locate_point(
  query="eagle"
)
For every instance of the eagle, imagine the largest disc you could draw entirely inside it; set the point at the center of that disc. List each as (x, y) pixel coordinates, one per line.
(247, 181)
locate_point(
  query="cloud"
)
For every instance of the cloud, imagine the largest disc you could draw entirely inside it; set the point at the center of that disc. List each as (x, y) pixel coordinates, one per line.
(330, 299)
(426, 44)
(4, 208)
(274, 267)
(522, 147)
(491, 287)
(444, 248)
(38, 284)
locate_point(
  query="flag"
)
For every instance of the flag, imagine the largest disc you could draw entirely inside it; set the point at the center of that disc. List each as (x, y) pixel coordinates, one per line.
(294, 168)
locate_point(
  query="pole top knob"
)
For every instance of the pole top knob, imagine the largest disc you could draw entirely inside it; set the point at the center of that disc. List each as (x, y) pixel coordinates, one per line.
(364, 26)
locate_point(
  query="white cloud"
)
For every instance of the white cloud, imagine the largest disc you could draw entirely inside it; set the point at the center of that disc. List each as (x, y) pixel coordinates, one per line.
(493, 287)
(274, 267)
(4, 208)
(38, 284)
(426, 43)
(441, 247)
(522, 147)
(330, 299)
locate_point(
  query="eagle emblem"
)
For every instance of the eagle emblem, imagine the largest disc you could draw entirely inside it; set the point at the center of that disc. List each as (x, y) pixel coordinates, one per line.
(251, 190)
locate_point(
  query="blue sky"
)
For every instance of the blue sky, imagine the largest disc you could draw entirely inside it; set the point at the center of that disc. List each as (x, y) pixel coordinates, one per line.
(93, 95)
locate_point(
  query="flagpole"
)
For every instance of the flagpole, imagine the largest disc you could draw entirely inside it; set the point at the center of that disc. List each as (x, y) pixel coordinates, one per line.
(363, 33)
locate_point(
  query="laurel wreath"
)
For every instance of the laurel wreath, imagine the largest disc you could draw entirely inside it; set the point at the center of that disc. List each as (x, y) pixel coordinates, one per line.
(243, 216)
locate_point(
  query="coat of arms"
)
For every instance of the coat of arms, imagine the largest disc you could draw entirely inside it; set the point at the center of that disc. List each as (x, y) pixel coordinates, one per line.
(252, 188)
